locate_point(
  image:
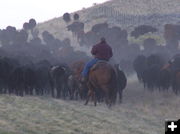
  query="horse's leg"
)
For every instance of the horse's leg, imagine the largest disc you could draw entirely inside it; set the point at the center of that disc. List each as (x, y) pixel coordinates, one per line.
(105, 88)
(107, 98)
(87, 99)
(88, 96)
(95, 98)
(108, 101)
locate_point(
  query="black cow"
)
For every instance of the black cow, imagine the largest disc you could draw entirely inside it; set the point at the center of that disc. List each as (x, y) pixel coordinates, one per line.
(16, 82)
(30, 80)
(140, 64)
(151, 77)
(58, 81)
(42, 85)
(6, 67)
(121, 81)
(74, 87)
(164, 79)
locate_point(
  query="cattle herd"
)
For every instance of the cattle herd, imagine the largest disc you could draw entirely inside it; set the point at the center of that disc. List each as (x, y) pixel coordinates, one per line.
(23, 80)
(40, 64)
(44, 79)
(155, 73)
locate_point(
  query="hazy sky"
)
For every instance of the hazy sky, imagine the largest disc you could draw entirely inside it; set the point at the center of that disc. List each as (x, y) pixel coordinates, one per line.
(16, 12)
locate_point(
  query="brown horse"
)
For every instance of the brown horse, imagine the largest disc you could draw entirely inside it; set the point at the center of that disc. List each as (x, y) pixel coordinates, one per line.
(102, 81)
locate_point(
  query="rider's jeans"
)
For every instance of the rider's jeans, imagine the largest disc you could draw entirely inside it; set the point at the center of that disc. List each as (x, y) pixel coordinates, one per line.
(88, 66)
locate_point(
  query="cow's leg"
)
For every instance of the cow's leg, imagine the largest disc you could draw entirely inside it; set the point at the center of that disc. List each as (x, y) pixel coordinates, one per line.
(52, 92)
(58, 89)
(52, 88)
(120, 96)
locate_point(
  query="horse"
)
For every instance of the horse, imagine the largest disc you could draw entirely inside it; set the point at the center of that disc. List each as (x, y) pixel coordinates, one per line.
(102, 82)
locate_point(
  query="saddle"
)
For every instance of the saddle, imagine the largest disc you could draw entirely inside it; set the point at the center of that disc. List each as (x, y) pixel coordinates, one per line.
(95, 66)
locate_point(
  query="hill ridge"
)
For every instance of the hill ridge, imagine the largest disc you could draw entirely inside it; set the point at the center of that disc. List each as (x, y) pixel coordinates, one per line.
(124, 13)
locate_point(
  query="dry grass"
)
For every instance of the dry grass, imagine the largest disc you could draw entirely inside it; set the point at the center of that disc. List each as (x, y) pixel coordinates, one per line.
(142, 112)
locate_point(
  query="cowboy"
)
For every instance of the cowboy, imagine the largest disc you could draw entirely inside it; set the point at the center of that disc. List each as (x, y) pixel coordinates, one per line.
(101, 52)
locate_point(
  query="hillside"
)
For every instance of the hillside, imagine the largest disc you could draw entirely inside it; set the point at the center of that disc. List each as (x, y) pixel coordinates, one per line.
(142, 112)
(124, 13)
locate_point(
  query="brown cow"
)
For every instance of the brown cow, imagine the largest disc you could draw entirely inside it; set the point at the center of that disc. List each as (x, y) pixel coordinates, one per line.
(75, 85)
